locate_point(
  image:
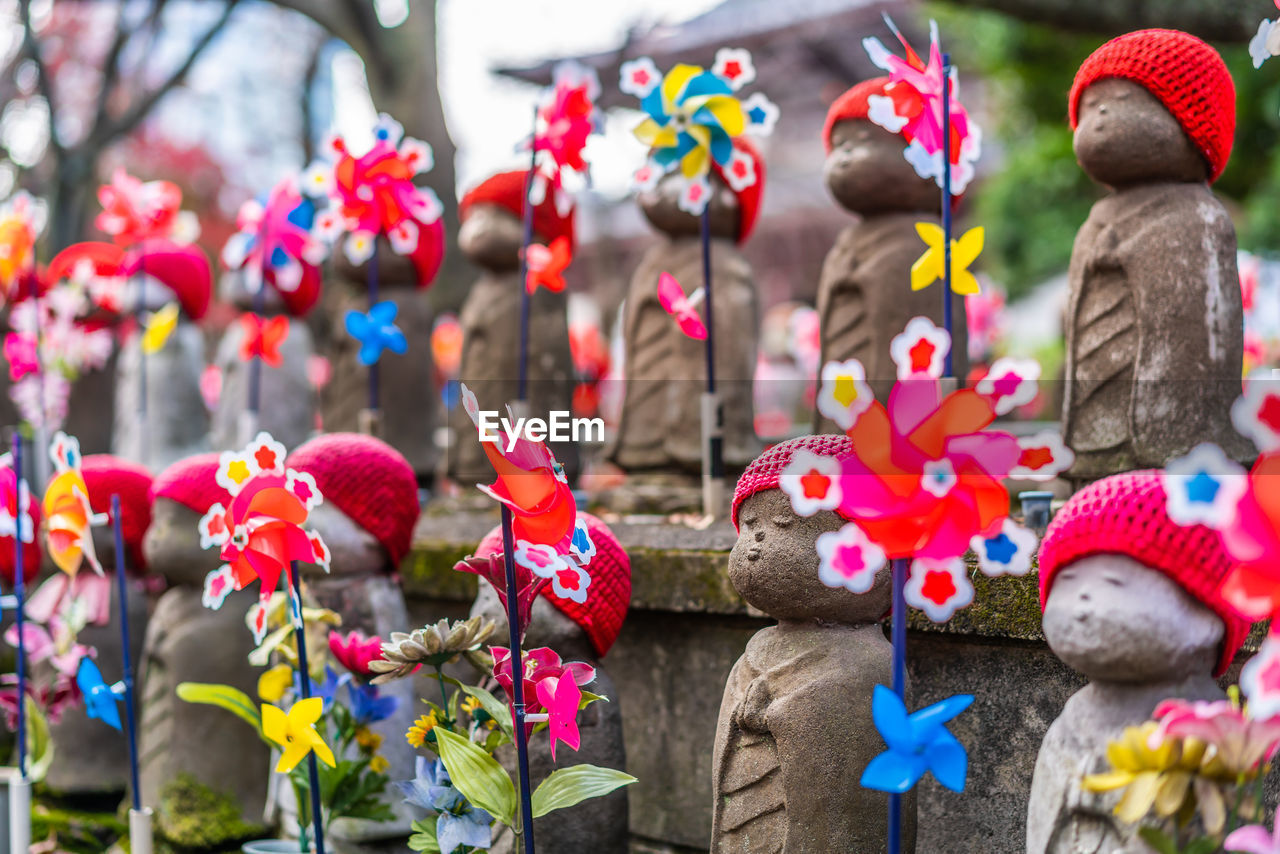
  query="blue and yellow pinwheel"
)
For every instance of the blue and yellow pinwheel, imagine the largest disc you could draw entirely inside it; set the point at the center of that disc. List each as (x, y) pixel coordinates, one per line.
(693, 119)
(99, 697)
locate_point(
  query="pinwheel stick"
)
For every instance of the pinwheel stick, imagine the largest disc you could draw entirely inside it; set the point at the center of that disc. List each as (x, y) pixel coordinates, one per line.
(20, 788)
(122, 588)
(317, 822)
(517, 684)
(250, 427)
(712, 414)
(898, 633)
(947, 296)
(375, 393)
(522, 377)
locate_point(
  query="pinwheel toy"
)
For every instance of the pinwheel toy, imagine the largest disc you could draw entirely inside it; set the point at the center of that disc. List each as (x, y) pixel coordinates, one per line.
(22, 219)
(262, 340)
(683, 308)
(546, 265)
(963, 252)
(376, 331)
(561, 697)
(100, 699)
(274, 243)
(916, 743)
(69, 517)
(158, 328)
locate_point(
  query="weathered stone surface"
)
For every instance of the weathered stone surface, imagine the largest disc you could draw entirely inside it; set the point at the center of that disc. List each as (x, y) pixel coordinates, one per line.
(286, 398)
(176, 425)
(864, 295)
(1154, 321)
(796, 713)
(1140, 639)
(665, 369)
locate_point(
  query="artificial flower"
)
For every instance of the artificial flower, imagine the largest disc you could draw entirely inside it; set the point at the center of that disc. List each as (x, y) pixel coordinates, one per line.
(538, 665)
(843, 394)
(916, 743)
(158, 328)
(276, 615)
(368, 740)
(1240, 743)
(847, 558)
(493, 569)
(920, 350)
(695, 196)
(22, 355)
(1009, 383)
(939, 587)
(1255, 838)
(367, 704)
(1265, 42)
(133, 211)
(376, 331)
(295, 732)
(812, 482)
(560, 697)
(326, 691)
(931, 266)
(417, 733)
(639, 77)
(1042, 457)
(459, 823)
(433, 646)
(1008, 552)
(1204, 487)
(262, 338)
(99, 698)
(546, 265)
(683, 308)
(355, 651)
(273, 683)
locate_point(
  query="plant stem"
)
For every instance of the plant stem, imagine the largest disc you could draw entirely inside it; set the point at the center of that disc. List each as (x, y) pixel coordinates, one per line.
(444, 699)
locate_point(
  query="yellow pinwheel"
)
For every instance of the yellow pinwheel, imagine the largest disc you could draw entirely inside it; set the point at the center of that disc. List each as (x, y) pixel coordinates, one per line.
(159, 327)
(931, 265)
(68, 518)
(295, 732)
(693, 119)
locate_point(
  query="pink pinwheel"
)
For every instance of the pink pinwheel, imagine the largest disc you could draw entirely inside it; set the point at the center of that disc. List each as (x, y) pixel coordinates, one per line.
(1252, 536)
(912, 106)
(355, 651)
(539, 665)
(374, 194)
(261, 534)
(561, 698)
(568, 118)
(274, 238)
(1254, 839)
(683, 308)
(133, 211)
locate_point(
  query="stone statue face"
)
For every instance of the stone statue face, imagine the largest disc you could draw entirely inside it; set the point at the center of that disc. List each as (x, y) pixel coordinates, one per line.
(548, 625)
(1114, 619)
(774, 565)
(491, 237)
(867, 174)
(1125, 136)
(233, 288)
(172, 545)
(661, 206)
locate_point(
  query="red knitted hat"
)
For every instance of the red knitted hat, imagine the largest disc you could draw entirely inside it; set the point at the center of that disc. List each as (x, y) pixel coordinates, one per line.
(764, 471)
(853, 104)
(749, 198)
(506, 190)
(369, 481)
(1125, 514)
(183, 270)
(31, 551)
(1187, 75)
(609, 594)
(429, 255)
(105, 476)
(191, 483)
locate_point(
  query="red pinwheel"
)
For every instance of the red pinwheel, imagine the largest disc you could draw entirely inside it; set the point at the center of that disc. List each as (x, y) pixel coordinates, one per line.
(683, 308)
(547, 265)
(262, 338)
(133, 211)
(260, 535)
(568, 118)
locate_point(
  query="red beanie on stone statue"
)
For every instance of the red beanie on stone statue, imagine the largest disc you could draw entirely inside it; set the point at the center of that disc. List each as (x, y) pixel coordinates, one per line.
(506, 190)
(182, 269)
(1185, 74)
(764, 471)
(105, 476)
(192, 483)
(852, 106)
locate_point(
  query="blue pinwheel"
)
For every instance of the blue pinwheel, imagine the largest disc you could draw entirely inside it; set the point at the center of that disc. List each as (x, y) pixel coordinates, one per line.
(376, 331)
(99, 697)
(693, 117)
(917, 743)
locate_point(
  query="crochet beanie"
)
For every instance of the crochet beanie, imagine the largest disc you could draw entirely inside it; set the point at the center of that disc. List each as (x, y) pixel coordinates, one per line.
(191, 483)
(1185, 74)
(853, 104)
(749, 198)
(429, 254)
(369, 481)
(506, 190)
(609, 594)
(30, 551)
(764, 471)
(182, 269)
(105, 476)
(1125, 514)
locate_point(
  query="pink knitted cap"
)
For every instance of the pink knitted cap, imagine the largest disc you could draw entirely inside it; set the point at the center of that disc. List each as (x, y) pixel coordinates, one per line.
(764, 471)
(191, 483)
(1125, 514)
(105, 476)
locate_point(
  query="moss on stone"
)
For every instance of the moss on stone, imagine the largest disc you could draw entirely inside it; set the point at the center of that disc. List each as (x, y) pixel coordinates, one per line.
(77, 832)
(192, 817)
(428, 570)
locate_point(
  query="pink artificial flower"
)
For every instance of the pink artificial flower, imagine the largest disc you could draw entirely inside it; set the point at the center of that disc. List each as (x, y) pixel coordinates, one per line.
(1255, 839)
(539, 665)
(493, 570)
(20, 353)
(355, 651)
(1241, 743)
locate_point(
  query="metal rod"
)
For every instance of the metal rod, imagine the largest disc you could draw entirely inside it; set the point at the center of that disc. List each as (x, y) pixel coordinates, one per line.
(898, 634)
(139, 306)
(712, 409)
(18, 584)
(517, 680)
(375, 394)
(255, 364)
(317, 822)
(522, 383)
(947, 296)
(122, 586)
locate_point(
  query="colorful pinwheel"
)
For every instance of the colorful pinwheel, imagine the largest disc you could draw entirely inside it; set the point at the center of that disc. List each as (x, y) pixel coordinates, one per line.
(99, 698)
(22, 219)
(262, 338)
(566, 119)
(374, 194)
(916, 742)
(683, 308)
(260, 535)
(69, 516)
(274, 239)
(547, 265)
(694, 115)
(931, 266)
(134, 211)
(376, 331)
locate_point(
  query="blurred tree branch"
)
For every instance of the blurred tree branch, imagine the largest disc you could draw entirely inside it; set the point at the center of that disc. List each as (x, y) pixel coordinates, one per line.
(1214, 20)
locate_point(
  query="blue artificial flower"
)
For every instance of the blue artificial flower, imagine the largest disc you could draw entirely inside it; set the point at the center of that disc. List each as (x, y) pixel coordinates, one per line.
(917, 743)
(376, 331)
(459, 823)
(99, 698)
(325, 690)
(366, 706)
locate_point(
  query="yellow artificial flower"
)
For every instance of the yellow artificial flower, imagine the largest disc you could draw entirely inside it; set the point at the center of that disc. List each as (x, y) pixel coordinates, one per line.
(159, 327)
(1159, 778)
(931, 266)
(273, 683)
(295, 732)
(368, 739)
(379, 764)
(471, 705)
(418, 732)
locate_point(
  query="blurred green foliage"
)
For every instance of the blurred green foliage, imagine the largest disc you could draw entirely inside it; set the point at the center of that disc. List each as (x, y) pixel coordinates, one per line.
(1037, 199)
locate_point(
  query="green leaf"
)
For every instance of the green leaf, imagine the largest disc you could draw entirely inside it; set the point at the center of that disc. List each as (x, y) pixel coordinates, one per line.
(1158, 840)
(494, 707)
(1203, 845)
(588, 698)
(39, 743)
(225, 697)
(477, 775)
(424, 836)
(568, 786)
